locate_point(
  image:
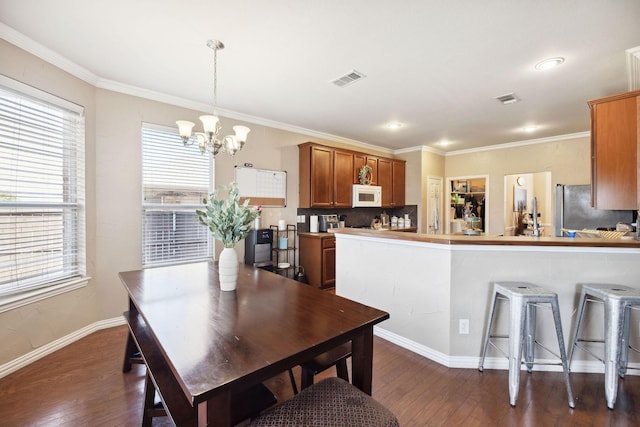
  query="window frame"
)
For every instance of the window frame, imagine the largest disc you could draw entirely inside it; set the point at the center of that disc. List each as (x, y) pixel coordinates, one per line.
(27, 294)
(173, 133)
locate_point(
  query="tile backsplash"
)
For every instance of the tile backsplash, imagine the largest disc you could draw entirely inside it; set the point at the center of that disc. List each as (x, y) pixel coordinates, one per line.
(357, 217)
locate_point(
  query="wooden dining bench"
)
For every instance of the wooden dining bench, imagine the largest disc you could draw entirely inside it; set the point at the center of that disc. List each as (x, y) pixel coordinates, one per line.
(330, 402)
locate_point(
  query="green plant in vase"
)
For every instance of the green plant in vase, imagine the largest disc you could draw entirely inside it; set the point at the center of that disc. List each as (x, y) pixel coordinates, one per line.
(229, 221)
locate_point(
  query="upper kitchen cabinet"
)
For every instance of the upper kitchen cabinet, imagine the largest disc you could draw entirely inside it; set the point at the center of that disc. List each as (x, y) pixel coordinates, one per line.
(615, 133)
(391, 177)
(325, 176)
(359, 160)
(398, 169)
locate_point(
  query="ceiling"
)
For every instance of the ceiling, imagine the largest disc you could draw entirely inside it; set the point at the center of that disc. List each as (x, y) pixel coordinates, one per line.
(434, 66)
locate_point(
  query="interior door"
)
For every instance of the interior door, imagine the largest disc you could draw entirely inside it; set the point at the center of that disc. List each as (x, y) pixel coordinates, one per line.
(434, 205)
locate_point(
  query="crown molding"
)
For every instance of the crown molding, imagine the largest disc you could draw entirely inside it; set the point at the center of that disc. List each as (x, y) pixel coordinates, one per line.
(520, 143)
(230, 114)
(420, 148)
(29, 45)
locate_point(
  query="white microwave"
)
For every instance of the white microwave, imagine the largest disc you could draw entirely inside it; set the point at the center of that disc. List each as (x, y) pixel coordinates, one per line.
(367, 196)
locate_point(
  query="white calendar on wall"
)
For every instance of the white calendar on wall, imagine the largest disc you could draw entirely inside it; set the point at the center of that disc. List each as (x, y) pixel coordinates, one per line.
(262, 186)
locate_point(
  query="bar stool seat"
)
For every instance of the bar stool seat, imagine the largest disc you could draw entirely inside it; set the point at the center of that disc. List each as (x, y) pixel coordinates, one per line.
(617, 300)
(523, 299)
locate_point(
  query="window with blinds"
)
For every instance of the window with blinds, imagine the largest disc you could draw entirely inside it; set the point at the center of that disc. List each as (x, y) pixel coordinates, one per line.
(41, 189)
(175, 180)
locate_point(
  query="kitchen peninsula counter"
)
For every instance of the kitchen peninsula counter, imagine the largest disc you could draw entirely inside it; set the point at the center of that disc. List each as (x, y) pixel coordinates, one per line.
(428, 283)
(485, 239)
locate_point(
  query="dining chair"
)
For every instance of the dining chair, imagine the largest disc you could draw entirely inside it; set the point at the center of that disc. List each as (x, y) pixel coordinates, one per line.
(337, 356)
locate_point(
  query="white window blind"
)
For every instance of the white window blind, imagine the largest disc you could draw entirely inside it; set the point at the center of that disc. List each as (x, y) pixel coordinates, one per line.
(41, 189)
(175, 181)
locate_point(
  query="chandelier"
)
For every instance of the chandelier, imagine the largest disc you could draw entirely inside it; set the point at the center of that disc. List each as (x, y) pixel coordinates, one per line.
(209, 140)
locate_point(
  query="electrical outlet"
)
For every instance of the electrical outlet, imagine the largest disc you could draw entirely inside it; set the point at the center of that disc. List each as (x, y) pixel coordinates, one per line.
(463, 325)
(301, 218)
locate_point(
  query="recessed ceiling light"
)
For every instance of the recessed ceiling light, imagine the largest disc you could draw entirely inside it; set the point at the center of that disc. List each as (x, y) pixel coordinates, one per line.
(444, 143)
(530, 128)
(547, 64)
(394, 125)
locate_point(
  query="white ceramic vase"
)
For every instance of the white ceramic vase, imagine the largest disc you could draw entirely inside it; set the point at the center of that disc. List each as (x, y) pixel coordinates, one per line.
(228, 269)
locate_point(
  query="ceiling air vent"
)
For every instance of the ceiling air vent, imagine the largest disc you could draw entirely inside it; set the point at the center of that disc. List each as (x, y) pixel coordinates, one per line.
(509, 98)
(348, 78)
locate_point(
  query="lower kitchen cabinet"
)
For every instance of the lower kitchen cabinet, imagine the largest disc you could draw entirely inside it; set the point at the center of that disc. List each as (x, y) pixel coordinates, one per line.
(318, 258)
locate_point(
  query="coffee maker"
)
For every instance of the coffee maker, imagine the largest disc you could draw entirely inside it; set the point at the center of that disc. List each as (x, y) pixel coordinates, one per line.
(325, 222)
(258, 248)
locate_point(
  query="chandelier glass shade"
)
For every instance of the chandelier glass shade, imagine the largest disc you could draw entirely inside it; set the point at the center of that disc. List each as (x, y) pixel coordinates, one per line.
(210, 140)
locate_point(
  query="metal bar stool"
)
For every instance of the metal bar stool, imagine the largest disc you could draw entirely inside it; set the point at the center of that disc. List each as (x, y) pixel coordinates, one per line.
(523, 299)
(618, 300)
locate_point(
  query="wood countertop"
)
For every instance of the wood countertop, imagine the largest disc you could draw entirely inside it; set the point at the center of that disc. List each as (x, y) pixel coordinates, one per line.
(321, 235)
(460, 239)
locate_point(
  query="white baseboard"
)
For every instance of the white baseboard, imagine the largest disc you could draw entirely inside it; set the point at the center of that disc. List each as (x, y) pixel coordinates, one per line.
(40, 352)
(470, 362)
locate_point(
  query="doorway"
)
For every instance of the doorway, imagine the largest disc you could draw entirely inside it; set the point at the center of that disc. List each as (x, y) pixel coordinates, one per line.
(519, 191)
(468, 195)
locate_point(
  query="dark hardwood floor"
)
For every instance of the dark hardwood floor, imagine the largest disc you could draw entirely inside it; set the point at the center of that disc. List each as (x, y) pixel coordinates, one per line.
(82, 385)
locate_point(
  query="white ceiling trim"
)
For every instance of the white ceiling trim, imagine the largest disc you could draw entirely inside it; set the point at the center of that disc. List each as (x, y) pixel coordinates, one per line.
(419, 148)
(29, 45)
(521, 143)
(633, 67)
(199, 106)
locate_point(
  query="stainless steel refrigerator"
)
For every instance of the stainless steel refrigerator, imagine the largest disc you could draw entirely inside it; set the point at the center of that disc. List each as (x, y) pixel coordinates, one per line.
(574, 211)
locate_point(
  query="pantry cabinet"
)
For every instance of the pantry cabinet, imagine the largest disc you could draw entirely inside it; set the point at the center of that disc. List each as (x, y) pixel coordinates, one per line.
(615, 134)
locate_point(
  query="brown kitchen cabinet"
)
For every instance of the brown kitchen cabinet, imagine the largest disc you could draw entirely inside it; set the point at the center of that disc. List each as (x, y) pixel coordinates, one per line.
(318, 258)
(360, 160)
(398, 178)
(391, 177)
(615, 133)
(325, 176)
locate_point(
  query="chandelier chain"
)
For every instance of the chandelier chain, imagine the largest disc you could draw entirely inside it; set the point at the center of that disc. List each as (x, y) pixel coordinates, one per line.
(215, 81)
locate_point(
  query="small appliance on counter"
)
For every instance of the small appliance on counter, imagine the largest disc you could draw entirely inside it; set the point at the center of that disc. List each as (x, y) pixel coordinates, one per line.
(325, 222)
(384, 219)
(313, 223)
(257, 248)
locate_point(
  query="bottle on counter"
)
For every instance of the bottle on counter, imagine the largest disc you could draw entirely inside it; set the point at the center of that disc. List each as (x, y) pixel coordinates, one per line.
(384, 219)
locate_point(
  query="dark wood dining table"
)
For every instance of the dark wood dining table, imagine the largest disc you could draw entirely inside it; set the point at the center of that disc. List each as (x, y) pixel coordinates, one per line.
(203, 345)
